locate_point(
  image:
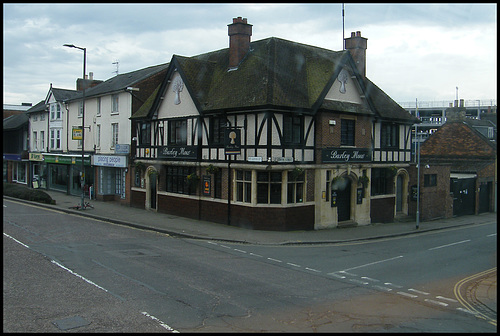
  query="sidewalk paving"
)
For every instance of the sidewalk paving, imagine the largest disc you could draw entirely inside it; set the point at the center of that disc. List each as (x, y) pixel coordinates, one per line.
(191, 228)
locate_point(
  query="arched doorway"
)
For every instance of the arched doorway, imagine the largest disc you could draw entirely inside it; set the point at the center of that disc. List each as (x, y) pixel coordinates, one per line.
(151, 188)
(344, 194)
(401, 206)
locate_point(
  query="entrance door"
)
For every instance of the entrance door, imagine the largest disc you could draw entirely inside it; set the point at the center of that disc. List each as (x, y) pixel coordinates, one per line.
(344, 200)
(399, 193)
(463, 196)
(152, 190)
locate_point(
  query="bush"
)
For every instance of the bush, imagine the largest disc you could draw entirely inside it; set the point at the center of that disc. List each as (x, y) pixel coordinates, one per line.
(23, 192)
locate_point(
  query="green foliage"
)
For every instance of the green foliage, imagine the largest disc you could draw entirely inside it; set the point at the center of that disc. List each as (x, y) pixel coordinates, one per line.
(23, 192)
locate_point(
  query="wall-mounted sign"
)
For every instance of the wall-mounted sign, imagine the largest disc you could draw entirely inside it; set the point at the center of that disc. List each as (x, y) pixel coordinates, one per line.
(109, 161)
(62, 159)
(178, 152)
(207, 181)
(122, 149)
(232, 141)
(76, 133)
(36, 157)
(346, 155)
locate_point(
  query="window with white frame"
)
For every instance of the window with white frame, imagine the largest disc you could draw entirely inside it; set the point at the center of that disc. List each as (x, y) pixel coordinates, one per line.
(42, 140)
(114, 103)
(114, 135)
(98, 106)
(34, 142)
(35, 116)
(98, 136)
(52, 112)
(55, 138)
(58, 111)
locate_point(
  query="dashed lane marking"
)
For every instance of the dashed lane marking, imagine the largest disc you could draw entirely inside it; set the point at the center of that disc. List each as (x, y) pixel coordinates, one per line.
(436, 302)
(417, 291)
(408, 295)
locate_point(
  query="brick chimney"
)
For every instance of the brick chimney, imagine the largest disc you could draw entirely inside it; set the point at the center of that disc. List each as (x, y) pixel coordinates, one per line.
(239, 40)
(357, 47)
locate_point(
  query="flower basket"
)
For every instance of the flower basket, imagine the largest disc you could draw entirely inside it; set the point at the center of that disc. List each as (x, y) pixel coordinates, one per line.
(392, 171)
(364, 180)
(211, 169)
(193, 179)
(296, 173)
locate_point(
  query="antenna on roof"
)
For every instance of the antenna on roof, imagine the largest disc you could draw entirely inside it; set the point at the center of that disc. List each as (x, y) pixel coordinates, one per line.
(343, 35)
(117, 63)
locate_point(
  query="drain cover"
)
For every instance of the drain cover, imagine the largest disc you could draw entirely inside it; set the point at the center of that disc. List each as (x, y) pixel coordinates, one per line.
(71, 323)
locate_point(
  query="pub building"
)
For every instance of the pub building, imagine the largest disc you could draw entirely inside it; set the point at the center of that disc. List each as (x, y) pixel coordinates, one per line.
(272, 135)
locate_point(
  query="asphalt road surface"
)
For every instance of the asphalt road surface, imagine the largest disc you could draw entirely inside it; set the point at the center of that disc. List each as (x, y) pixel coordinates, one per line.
(69, 273)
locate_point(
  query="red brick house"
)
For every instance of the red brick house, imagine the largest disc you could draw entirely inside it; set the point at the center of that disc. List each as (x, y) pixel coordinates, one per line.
(469, 159)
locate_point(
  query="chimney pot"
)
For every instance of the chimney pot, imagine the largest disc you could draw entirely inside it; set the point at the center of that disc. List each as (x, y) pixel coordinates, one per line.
(239, 40)
(357, 45)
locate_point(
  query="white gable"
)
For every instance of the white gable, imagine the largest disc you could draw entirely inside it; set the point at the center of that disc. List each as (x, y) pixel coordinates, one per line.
(345, 88)
(177, 102)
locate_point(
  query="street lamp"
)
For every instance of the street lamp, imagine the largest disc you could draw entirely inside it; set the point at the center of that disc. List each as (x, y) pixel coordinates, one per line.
(82, 177)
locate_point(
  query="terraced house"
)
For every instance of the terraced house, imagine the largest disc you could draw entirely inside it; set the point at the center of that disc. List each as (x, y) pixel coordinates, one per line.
(272, 135)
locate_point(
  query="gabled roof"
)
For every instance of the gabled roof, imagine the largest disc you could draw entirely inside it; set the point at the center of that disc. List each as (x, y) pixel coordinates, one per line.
(457, 141)
(275, 73)
(15, 122)
(40, 107)
(60, 95)
(120, 82)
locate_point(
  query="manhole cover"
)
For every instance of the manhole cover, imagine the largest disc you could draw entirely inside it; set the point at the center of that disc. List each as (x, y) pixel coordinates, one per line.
(71, 323)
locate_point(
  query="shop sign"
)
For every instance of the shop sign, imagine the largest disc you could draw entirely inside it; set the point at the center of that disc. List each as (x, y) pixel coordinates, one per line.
(115, 161)
(344, 155)
(178, 152)
(36, 157)
(59, 159)
(76, 133)
(122, 149)
(232, 141)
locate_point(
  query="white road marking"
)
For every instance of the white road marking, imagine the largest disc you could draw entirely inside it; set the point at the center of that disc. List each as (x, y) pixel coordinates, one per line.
(78, 275)
(373, 263)
(491, 235)
(163, 324)
(445, 298)
(438, 247)
(466, 310)
(274, 259)
(393, 285)
(358, 281)
(334, 274)
(417, 291)
(213, 243)
(369, 279)
(295, 265)
(240, 251)
(408, 295)
(255, 255)
(344, 272)
(14, 239)
(312, 269)
(387, 289)
(436, 302)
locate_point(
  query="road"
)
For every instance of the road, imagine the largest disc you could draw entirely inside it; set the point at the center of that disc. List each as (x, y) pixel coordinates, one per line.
(66, 272)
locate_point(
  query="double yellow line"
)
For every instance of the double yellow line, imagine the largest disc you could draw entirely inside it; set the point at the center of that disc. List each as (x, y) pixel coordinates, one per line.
(466, 304)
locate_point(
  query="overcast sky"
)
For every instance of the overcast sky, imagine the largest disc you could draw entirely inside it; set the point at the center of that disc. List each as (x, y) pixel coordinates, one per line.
(421, 51)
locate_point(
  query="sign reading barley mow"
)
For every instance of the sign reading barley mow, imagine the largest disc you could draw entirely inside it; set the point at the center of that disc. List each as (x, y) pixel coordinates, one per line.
(346, 155)
(178, 152)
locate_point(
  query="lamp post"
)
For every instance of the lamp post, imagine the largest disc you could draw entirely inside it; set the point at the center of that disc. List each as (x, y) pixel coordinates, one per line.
(82, 176)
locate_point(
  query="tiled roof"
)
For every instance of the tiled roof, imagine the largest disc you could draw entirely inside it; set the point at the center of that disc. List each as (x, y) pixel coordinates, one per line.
(277, 74)
(455, 141)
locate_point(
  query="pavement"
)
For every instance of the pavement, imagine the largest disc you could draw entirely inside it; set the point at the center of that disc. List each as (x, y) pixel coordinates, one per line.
(190, 228)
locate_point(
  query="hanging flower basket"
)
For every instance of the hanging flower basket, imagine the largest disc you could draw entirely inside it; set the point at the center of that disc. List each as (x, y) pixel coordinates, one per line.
(296, 173)
(211, 169)
(364, 180)
(193, 179)
(392, 171)
(139, 166)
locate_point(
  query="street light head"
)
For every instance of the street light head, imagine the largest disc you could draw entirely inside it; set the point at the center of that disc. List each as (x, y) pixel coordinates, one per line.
(73, 46)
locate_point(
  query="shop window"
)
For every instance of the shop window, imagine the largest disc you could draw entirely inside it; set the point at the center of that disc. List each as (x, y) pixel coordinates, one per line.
(295, 190)
(292, 129)
(347, 132)
(177, 130)
(430, 180)
(244, 186)
(176, 180)
(269, 187)
(381, 182)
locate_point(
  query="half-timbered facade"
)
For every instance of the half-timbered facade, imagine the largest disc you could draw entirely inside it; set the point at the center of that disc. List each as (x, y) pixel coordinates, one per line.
(319, 145)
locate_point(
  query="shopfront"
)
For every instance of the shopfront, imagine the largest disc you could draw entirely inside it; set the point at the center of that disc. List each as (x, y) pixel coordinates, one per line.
(64, 171)
(111, 173)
